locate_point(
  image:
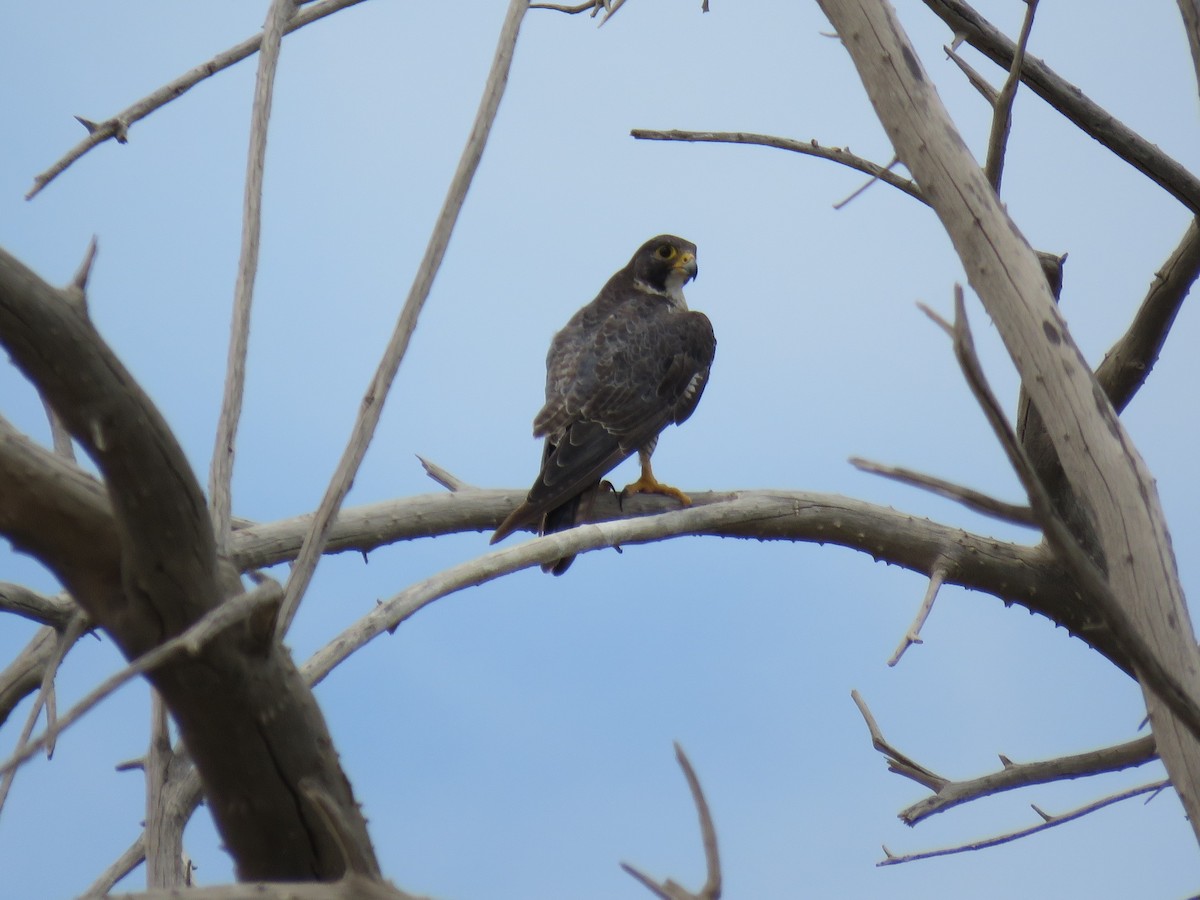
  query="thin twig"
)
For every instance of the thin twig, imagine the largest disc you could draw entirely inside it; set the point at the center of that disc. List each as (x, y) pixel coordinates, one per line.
(897, 761)
(913, 634)
(859, 191)
(118, 126)
(993, 169)
(1048, 821)
(977, 81)
(669, 889)
(190, 641)
(808, 148)
(589, 6)
(221, 469)
(446, 479)
(968, 497)
(66, 640)
(372, 403)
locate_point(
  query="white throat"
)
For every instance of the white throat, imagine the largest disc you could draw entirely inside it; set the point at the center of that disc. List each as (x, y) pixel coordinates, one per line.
(674, 291)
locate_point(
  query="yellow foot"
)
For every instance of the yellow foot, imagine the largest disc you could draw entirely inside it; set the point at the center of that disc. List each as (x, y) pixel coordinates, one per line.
(651, 485)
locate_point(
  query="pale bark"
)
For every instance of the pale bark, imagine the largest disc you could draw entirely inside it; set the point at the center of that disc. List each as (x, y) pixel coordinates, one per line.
(1099, 459)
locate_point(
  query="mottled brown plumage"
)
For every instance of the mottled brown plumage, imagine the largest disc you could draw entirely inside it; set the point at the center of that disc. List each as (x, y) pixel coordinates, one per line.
(624, 367)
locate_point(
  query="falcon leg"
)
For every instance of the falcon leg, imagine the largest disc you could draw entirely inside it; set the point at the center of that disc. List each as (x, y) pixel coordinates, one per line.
(648, 484)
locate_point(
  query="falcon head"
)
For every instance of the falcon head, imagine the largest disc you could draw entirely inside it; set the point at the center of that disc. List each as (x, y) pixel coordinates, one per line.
(665, 264)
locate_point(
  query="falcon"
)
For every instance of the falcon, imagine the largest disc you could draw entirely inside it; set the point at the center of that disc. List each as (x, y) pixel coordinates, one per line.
(624, 367)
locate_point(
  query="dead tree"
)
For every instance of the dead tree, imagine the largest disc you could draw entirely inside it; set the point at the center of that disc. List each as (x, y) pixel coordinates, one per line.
(143, 554)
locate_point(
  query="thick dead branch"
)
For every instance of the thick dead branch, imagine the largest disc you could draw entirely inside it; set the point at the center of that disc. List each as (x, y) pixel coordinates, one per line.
(1099, 459)
(220, 476)
(808, 148)
(118, 126)
(993, 169)
(1069, 100)
(371, 407)
(671, 890)
(1015, 573)
(142, 563)
(1156, 677)
(1048, 821)
(1129, 362)
(191, 642)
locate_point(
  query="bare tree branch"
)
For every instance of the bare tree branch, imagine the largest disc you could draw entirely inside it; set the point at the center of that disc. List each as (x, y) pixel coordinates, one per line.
(118, 126)
(372, 402)
(977, 81)
(1190, 10)
(913, 634)
(1048, 821)
(55, 610)
(143, 564)
(946, 794)
(670, 890)
(993, 169)
(1069, 100)
(122, 866)
(191, 642)
(808, 148)
(968, 497)
(1018, 775)
(352, 887)
(45, 698)
(164, 831)
(24, 674)
(221, 471)
(897, 761)
(446, 479)
(1129, 362)
(1098, 457)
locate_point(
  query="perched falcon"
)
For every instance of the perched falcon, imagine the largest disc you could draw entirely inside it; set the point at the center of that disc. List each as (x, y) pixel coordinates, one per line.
(626, 366)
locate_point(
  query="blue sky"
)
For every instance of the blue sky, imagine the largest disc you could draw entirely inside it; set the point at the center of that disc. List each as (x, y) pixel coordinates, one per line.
(515, 740)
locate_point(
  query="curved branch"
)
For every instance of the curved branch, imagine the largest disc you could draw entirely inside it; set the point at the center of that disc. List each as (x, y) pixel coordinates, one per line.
(808, 148)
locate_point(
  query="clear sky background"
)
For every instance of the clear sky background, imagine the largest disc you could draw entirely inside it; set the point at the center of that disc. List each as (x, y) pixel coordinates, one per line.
(514, 741)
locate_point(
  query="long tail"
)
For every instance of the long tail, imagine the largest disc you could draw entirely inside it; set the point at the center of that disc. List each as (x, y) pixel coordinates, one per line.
(560, 519)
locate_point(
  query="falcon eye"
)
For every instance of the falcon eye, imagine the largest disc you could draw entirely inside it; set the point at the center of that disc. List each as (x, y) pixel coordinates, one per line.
(666, 251)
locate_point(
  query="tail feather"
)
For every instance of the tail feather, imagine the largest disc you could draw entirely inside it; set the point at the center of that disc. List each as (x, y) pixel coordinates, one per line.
(560, 519)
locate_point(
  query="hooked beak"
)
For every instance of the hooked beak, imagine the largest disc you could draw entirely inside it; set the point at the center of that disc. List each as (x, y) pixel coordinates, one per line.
(686, 264)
